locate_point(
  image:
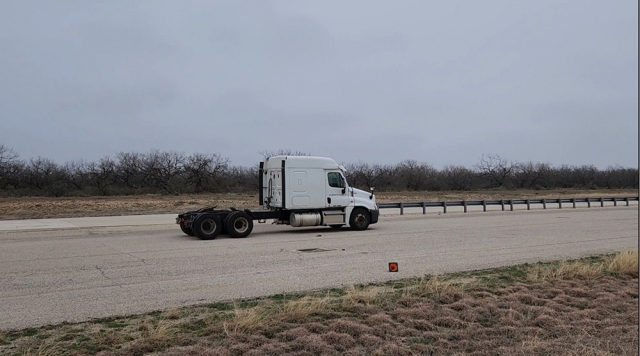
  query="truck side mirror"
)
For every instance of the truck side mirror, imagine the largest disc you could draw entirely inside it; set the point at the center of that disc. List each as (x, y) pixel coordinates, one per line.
(371, 196)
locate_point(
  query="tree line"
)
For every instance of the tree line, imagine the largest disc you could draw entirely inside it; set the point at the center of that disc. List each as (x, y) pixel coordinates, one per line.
(170, 172)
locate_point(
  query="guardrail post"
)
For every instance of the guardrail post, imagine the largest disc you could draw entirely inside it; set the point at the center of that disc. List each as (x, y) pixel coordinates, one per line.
(511, 204)
(424, 209)
(573, 200)
(588, 202)
(559, 203)
(528, 204)
(627, 200)
(444, 206)
(401, 209)
(484, 205)
(544, 203)
(502, 203)
(615, 201)
(464, 204)
(601, 202)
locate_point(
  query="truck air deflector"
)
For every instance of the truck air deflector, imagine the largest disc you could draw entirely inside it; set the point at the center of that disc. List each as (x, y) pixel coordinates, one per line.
(261, 183)
(284, 187)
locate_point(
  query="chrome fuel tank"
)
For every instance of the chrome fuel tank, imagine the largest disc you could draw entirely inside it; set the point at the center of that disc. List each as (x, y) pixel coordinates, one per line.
(305, 219)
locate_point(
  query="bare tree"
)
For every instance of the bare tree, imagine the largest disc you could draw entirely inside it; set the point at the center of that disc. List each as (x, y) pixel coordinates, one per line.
(7, 155)
(103, 174)
(129, 170)
(619, 177)
(163, 168)
(173, 172)
(364, 175)
(530, 175)
(562, 177)
(495, 169)
(40, 173)
(77, 174)
(10, 167)
(458, 178)
(416, 176)
(204, 171)
(242, 179)
(585, 176)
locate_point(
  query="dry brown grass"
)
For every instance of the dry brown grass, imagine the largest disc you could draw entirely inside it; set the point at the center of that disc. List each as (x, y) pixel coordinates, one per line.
(585, 307)
(46, 207)
(566, 271)
(497, 194)
(301, 309)
(159, 332)
(47, 348)
(174, 314)
(364, 295)
(246, 319)
(625, 263)
(433, 286)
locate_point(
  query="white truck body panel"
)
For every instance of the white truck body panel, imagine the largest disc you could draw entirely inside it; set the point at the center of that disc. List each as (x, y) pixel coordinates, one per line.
(302, 184)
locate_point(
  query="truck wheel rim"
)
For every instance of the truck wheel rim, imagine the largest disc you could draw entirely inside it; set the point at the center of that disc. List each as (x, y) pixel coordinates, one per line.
(361, 220)
(208, 226)
(241, 225)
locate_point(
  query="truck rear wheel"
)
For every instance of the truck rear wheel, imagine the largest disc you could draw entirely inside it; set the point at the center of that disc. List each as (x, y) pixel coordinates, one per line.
(359, 219)
(207, 226)
(186, 230)
(239, 224)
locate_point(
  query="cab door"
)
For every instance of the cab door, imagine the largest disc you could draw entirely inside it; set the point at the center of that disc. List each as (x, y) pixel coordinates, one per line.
(337, 193)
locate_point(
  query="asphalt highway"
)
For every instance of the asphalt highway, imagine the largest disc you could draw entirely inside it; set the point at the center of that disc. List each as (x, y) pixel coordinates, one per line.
(75, 272)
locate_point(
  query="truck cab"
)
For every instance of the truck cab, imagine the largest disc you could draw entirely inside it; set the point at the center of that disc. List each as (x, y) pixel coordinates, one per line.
(316, 192)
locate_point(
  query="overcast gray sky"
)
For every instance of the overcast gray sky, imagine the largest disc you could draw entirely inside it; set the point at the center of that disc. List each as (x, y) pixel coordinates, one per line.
(441, 82)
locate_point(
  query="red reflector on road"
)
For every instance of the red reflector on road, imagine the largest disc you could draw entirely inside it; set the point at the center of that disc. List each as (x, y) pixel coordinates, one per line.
(393, 266)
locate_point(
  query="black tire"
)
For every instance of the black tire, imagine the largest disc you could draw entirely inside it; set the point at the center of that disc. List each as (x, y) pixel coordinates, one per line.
(239, 224)
(336, 227)
(207, 226)
(186, 230)
(359, 219)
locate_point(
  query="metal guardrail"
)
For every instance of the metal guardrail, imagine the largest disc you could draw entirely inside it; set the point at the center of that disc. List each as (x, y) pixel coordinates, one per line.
(504, 203)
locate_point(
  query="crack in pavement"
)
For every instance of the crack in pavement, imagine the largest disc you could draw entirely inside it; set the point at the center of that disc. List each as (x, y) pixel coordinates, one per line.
(125, 253)
(102, 273)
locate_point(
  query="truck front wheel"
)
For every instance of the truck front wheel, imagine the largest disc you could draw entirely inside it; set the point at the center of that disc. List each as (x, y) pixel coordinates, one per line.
(239, 224)
(207, 226)
(359, 219)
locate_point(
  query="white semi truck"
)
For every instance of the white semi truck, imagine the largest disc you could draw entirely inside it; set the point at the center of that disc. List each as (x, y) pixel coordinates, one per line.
(296, 191)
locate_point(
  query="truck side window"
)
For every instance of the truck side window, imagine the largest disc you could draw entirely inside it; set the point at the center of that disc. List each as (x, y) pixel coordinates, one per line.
(335, 180)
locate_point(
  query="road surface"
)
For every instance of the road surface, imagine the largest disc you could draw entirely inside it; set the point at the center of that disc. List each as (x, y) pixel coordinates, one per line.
(77, 272)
